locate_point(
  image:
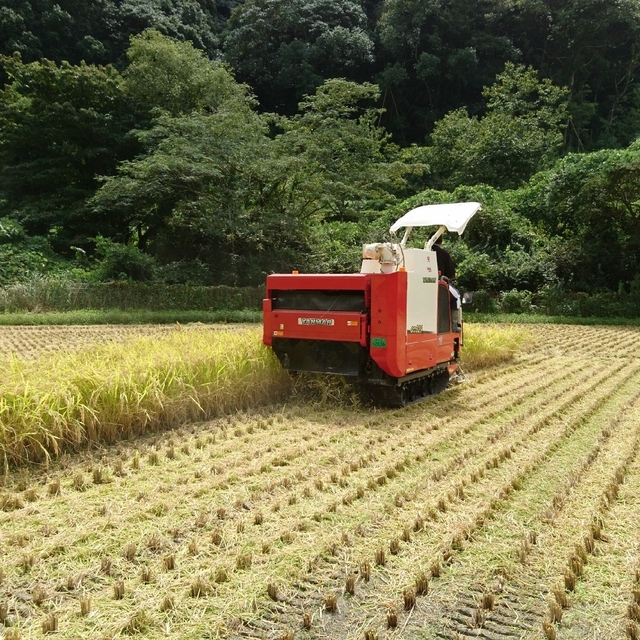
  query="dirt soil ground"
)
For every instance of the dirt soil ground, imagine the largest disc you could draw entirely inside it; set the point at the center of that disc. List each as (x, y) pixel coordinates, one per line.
(506, 507)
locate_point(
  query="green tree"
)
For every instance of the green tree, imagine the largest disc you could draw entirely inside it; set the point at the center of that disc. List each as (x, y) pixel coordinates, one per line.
(592, 203)
(21, 255)
(284, 49)
(118, 261)
(347, 164)
(182, 194)
(193, 166)
(211, 188)
(437, 56)
(215, 187)
(520, 134)
(175, 76)
(591, 47)
(70, 30)
(60, 127)
(98, 31)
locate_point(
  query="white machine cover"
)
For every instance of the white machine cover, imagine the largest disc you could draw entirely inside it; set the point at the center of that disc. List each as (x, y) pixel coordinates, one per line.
(454, 216)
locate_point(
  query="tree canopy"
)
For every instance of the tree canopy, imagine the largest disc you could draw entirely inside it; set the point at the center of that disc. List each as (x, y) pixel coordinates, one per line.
(520, 134)
(218, 140)
(285, 48)
(61, 127)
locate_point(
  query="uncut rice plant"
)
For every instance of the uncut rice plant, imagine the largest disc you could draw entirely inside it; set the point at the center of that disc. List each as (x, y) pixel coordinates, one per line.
(489, 345)
(108, 392)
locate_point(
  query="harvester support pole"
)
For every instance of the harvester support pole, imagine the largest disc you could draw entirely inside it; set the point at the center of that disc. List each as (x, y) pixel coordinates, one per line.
(429, 244)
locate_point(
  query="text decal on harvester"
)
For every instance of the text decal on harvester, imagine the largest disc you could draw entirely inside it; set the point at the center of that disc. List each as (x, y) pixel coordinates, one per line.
(326, 322)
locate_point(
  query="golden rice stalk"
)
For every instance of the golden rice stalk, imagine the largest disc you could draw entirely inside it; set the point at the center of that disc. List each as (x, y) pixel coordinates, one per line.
(129, 551)
(306, 620)
(105, 566)
(479, 618)
(85, 606)
(488, 600)
(50, 623)
(331, 603)
(118, 590)
(137, 623)
(549, 630)
(422, 584)
(409, 597)
(561, 597)
(39, 595)
(114, 391)
(569, 580)
(488, 345)
(392, 619)
(555, 611)
(200, 587)
(350, 584)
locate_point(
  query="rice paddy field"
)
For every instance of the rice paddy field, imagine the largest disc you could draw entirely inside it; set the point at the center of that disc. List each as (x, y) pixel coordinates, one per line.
(506, 507)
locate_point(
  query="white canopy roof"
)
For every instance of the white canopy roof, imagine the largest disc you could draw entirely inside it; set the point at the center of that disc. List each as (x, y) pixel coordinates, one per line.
(454, 216)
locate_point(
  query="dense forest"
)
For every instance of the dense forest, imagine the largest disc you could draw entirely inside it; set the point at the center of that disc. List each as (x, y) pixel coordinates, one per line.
(215, 141)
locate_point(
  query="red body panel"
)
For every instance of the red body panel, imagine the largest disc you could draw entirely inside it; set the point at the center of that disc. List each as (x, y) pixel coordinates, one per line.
(349, 326)
(382, 332)
(334, 281)
(425, 350)
(389, 322)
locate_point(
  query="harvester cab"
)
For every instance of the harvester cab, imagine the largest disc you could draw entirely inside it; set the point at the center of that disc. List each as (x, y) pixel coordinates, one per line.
(395, 327)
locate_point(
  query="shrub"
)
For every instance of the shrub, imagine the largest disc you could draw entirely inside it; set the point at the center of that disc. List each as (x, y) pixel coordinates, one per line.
(123, 262)
(483, 302)
(43, 293)
(515, 301)
(22, 256)
(192, 273)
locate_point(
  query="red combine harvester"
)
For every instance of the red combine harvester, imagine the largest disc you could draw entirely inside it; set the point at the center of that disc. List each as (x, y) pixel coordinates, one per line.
(395, 327)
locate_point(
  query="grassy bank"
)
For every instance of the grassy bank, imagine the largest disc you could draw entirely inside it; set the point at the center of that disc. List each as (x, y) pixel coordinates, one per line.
(58, 294)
